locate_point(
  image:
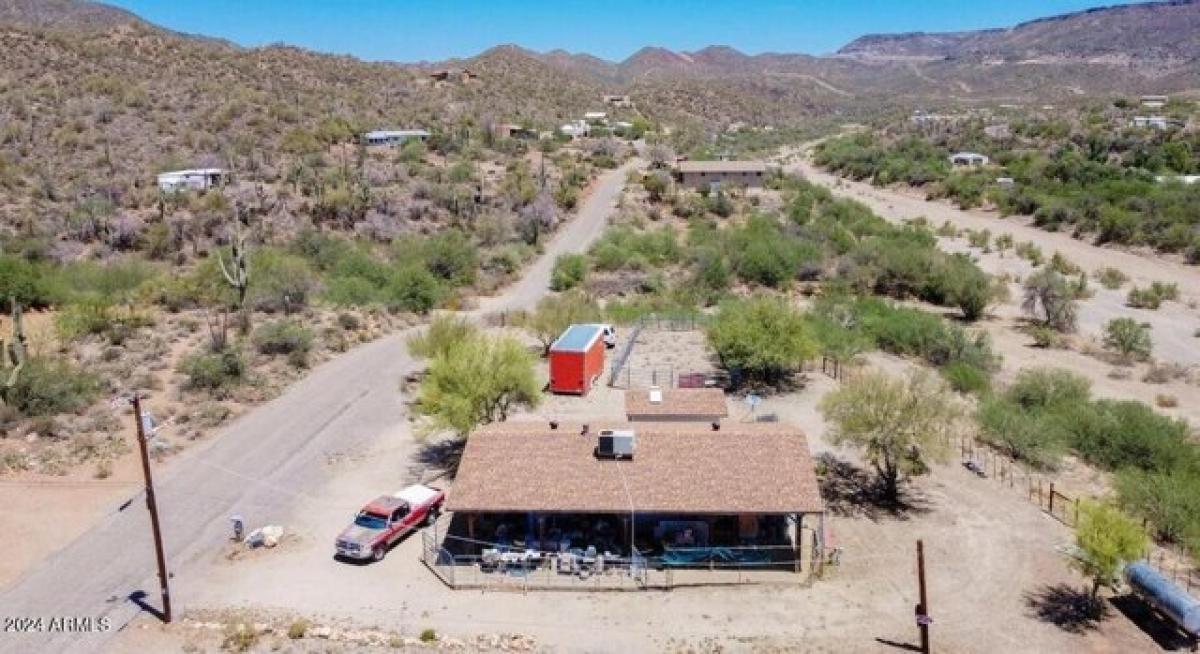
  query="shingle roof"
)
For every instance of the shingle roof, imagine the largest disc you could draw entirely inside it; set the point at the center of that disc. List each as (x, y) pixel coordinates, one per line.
(682, 468)
(722, 166)
(677, 402)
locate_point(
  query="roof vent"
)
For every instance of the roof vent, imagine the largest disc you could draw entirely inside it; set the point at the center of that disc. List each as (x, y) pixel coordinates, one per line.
(615, 444)
(655, 395)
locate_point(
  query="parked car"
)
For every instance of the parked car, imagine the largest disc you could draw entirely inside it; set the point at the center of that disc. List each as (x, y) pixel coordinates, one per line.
(387, 519)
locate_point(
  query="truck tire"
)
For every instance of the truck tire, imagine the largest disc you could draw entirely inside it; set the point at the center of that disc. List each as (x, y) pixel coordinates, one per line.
(378, 553)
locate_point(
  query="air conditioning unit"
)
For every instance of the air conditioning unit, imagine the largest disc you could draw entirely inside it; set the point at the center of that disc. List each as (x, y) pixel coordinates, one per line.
(615, 444)
(655, 395)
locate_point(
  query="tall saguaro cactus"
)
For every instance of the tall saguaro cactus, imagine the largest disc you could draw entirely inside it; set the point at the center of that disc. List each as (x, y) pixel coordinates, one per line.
(13, 355)
(237, 273)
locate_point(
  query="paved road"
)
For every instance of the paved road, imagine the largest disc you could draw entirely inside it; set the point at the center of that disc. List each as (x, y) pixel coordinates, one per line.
(257, 467)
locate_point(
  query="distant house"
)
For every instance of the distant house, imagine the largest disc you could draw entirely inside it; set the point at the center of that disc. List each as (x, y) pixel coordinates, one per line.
(999, 132)
(196, 179)
(714, 174)
(596, 117)
(513, 131)
(1182, 179)
(394, 136)
(969, 159)
(576, 129)
(445, 75)
(1156, 122)
(618, 101)
(1154, 101)
(676, 405)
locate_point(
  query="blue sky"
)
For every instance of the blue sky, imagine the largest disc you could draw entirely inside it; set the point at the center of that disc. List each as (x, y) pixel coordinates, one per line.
(404, 30)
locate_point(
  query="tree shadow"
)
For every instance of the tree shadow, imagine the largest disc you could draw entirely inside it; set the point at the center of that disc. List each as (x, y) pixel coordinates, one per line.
(851, 491)
(1071, 609)
(439, 458)
(1164, 632)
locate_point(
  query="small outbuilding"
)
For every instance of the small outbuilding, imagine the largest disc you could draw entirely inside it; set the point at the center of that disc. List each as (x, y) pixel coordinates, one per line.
(196, 179)
(577, 359)
(676, 405)
(969, 159)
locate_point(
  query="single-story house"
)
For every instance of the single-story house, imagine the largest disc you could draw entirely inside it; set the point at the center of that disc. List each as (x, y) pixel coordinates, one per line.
(1005, 182)
(714, 174)
(576, 129)
(196, 179)
(595, 117)
(1157, 122)
(971, 159)
(513, 131)
(1154, 101)
(649, 488)
(394, 136)
(618, 101)
(675, 405)
(464, 75)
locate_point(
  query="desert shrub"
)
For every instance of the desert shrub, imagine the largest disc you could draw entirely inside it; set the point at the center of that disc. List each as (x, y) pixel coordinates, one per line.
(450, 256)
(1152, 297)
(213, 371)
(1127, 337)
(762, 339)
(1062, 265)
(1111, 278)
(280, 281)
(1020, 434)
(412, 288)
(98, 317)
(966, 378)
(298, 629)
(444, 334)
(1029, 252)
(349, 321)
(1169, 501)
(1046, 388)
(49, 386)
(1050, 298)
(287, 337)
(569, 271)
(428, 636)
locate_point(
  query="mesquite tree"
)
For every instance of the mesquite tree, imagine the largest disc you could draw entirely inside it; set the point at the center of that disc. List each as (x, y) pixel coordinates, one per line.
(13, 355)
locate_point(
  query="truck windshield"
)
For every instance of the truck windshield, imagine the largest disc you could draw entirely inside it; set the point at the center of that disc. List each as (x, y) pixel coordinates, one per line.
(370, 521)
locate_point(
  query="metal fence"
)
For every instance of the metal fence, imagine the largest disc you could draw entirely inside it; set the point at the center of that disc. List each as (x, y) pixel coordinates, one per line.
(1170, 559)
(525, 570)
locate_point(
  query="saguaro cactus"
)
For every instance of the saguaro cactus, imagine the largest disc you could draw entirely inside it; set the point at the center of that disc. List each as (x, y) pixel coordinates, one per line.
(237, 273)
(13, 354)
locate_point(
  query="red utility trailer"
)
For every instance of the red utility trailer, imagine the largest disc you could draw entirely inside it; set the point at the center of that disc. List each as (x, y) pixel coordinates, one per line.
(577, 359)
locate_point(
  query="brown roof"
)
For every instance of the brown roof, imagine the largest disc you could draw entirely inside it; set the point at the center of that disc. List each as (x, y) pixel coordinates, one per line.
(676, 468)
(677, 402)
(722, 166)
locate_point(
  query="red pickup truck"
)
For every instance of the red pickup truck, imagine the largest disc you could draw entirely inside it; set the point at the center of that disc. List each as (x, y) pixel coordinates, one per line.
(386, 520)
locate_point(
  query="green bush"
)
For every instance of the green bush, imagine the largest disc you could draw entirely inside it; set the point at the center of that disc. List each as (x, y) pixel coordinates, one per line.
(966, 378)
(279, 281)
(287, 337)
(1152, 296)
(48, 386)
(214, 371)
(32, 285)
(763, 339)
(1111, 278)
(1127, 337)
(570, 270)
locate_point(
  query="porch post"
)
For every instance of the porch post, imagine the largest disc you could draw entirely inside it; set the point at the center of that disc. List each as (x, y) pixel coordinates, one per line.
(541, 532)
(820, 545)
(796, 538)
(471, 525)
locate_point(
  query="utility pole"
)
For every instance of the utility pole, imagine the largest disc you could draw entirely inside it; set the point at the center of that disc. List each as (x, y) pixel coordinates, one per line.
(153, 507)
(923, 619)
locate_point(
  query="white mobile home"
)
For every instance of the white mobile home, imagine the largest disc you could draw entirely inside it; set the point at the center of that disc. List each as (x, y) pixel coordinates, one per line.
(394, 136)
(197, 179)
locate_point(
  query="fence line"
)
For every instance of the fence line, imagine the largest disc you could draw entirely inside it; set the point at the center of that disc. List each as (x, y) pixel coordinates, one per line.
(1040, 489)
(623, 358)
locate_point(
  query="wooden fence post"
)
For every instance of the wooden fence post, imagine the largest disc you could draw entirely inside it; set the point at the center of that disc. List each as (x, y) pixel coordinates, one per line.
(1051, 509)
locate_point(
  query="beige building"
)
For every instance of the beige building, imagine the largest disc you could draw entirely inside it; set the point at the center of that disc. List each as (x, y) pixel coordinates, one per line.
(715, 174)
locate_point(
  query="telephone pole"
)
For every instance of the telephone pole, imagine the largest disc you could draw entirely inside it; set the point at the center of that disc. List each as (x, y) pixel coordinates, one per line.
(923, 619)
(152, 505)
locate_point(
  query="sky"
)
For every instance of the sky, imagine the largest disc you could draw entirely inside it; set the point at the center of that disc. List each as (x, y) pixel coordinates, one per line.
(432, 30)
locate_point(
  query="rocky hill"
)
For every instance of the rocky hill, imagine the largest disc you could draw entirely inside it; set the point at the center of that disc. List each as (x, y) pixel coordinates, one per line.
(1155, 33)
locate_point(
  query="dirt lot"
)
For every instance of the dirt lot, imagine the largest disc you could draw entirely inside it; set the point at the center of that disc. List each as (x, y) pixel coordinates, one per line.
(992, 568)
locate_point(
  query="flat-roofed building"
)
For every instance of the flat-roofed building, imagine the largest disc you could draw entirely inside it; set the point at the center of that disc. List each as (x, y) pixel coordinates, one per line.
(715, 174)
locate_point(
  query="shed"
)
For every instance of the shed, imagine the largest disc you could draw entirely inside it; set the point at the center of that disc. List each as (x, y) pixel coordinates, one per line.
(676, 405)
(969, 159)
(394, 136)
(198, 179)
(577, 359)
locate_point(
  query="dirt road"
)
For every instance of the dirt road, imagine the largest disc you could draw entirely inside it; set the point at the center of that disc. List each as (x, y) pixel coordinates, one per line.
(1172, 327)
(260, 467)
